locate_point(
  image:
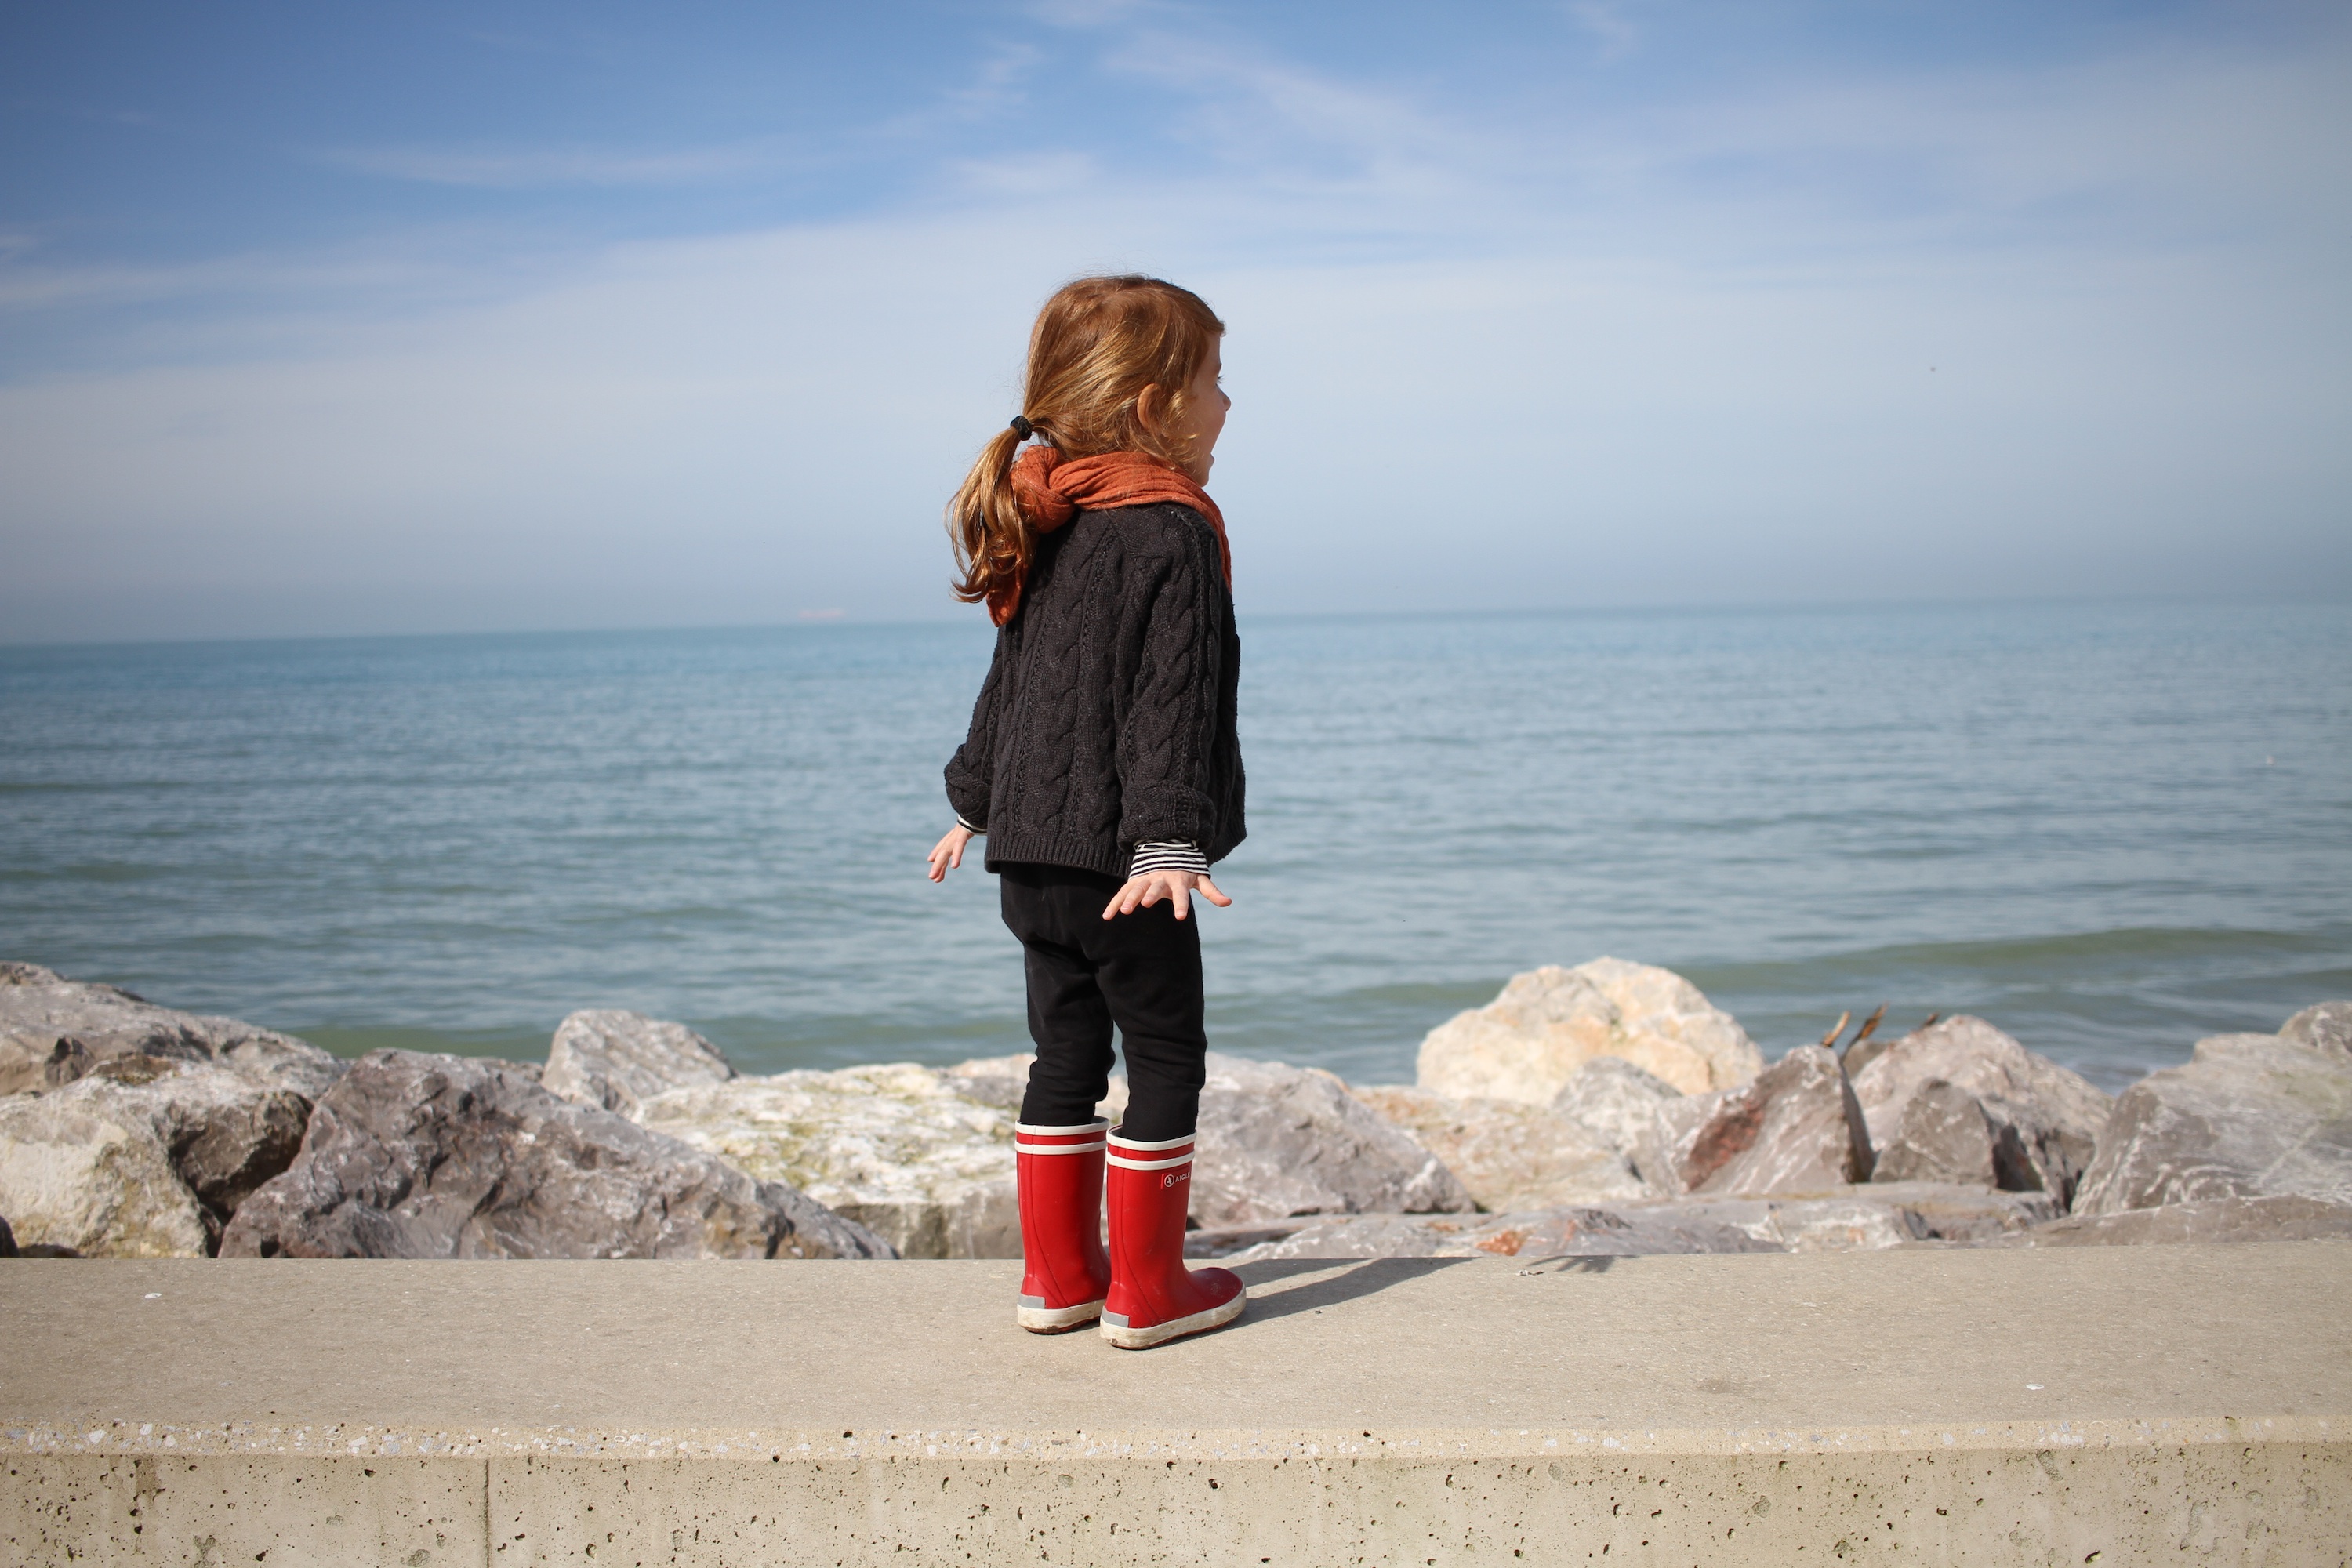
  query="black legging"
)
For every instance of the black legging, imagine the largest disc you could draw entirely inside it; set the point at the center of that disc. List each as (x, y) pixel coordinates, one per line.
(1139, 971)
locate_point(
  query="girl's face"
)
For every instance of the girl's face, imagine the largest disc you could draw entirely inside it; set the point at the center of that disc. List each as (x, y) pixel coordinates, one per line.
(1205, 404)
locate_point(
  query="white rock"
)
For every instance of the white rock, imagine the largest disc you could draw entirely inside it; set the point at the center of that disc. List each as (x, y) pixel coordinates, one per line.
(226, 1134)
(2325, 1027)
(102, 1186)
(1508, 1156)
(893, 1147)
(613, 1059)
(1000, 1081)
(1530, 1041)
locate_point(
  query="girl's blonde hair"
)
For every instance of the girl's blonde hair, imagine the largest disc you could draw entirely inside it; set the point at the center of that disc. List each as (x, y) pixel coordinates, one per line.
(1097, 344)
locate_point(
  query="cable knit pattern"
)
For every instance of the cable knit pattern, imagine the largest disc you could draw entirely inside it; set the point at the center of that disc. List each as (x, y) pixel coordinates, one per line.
(1108, 718)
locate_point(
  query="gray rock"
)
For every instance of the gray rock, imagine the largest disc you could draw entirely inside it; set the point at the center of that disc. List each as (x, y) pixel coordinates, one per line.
(1944, 1135)
(2285, 1218)
(998, 1082)
(1862, 1052)
(1508, 1156)
(1616, 1103)
(53, 1030)
(1849, 1219)
(1942, 1211)
(2044, 1121)
(1874, 1216)
(615, 1061)
(437, 1156)
(1526, 1042)
(97, 1186)
(1278, 1140)
(1795, 1128)
(2326, 1027)
(227, 1133)
(2250, 1116)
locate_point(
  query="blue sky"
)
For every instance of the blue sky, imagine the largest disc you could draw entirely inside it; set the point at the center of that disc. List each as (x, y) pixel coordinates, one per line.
(429, 318)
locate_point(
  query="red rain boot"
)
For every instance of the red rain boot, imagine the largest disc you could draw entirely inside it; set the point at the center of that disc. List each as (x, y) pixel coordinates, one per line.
(1059, 1176)
(1153, 1297)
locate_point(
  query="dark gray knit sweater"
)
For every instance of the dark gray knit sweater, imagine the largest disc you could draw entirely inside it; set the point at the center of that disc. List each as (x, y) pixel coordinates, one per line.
(1106, 720)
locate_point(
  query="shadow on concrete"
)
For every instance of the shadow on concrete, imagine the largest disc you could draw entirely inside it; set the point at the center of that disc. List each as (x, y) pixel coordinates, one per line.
(1569, 1265)
(1372, 1274)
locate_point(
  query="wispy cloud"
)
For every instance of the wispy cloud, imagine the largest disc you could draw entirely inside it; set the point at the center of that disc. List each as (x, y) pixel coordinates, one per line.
(525, 168)
(1607, 22)
(1670, 349)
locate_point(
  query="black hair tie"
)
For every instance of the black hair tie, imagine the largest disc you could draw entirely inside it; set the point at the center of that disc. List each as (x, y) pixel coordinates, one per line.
(1021, 428)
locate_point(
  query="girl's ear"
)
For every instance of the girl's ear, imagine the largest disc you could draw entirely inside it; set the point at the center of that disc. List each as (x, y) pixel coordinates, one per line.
(1149, 404)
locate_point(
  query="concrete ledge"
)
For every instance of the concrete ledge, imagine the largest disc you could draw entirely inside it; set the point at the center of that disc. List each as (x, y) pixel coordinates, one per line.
(2111, 1407)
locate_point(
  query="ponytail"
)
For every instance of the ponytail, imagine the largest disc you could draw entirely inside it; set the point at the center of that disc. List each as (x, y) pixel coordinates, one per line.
(993, 543)
(1098, 343)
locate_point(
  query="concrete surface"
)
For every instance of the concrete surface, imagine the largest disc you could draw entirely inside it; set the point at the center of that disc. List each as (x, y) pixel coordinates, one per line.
(2111, 1406)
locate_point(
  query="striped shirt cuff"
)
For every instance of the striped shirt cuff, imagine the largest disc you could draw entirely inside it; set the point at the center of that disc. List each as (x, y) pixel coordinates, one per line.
(1168, 854)
(968, 826)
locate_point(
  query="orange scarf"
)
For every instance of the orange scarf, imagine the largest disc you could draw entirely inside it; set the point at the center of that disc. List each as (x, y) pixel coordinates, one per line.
(1050, 490)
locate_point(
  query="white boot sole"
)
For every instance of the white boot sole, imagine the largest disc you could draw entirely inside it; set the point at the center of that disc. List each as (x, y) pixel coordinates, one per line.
(1128, 1338)
(1056, 1319)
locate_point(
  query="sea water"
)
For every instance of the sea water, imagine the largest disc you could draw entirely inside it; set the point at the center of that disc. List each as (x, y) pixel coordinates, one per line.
(2109, 829)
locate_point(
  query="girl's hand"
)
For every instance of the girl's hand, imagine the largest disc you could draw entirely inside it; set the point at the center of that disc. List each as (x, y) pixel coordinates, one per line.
(1176, 887)
(948, 851)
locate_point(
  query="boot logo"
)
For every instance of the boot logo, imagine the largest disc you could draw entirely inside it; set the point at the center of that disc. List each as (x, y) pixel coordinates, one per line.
(1172, 1177)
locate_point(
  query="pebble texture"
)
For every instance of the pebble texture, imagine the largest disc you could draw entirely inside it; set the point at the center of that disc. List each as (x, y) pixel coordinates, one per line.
(2044, 1120)
(434, 1156)
(53, 1030)
(2250, 1116)
(616, 1061)
(1508, 1156)
(1796, 1128)
(1530, 1041)
(896, 1148)
(1278, 1140)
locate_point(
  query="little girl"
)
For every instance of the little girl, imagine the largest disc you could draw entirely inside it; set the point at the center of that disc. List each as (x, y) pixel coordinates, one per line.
(1103, 765)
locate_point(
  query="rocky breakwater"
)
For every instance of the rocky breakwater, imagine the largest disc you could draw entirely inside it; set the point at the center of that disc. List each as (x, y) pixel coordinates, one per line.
(128, 1130)
(924, 1155)
(412, 1156)
(1543, 1126)
(1953, 1134)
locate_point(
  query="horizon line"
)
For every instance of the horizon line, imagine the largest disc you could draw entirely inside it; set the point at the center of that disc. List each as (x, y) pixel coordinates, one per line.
(827, 620)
